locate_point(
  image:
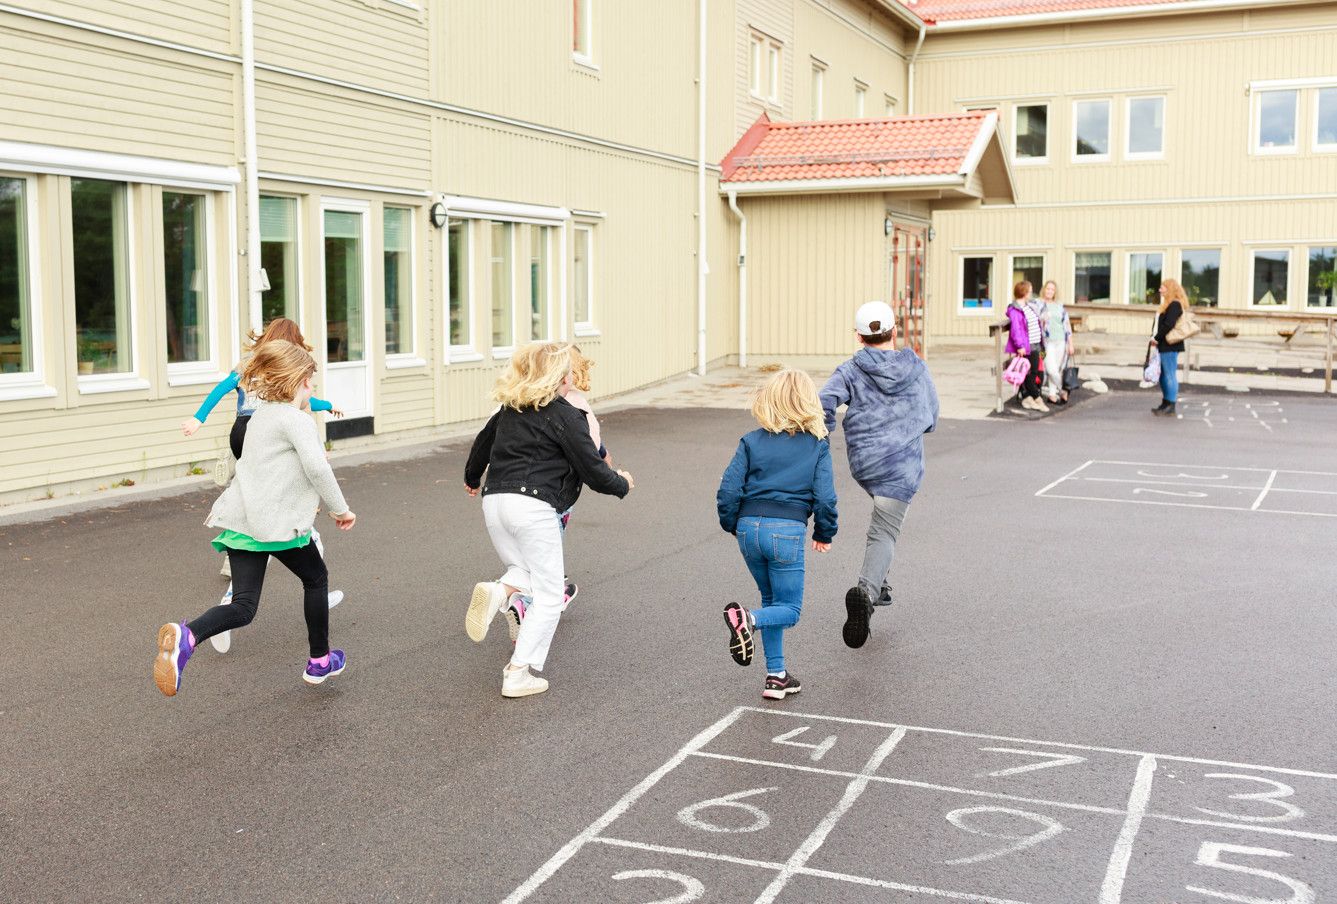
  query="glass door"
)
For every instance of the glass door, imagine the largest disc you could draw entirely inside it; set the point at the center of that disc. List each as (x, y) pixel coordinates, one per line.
(347, 322)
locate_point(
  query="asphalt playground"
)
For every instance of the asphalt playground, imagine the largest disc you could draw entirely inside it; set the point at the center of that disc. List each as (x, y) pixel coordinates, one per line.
(1107, 677)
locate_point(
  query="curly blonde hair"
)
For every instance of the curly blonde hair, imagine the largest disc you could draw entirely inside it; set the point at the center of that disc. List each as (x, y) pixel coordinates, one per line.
(580, 369)
(788, 403)
(535, 375)
(276, 369)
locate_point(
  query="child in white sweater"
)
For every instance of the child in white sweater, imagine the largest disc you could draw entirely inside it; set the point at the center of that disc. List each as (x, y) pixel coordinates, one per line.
(269, 510)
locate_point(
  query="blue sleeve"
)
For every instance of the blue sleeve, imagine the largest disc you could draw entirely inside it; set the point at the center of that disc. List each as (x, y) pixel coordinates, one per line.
(225, 385)
(932, 397)
(824, 497)
(320, 405)
(729, 499)
(835, 393)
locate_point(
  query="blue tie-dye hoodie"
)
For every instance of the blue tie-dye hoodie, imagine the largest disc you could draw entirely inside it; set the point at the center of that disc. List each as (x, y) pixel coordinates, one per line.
(892, 404)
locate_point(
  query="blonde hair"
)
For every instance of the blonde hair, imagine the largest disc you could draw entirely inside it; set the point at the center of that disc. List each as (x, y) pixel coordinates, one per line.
(535, 374)
(1173, 292)
(580, 369)
(1048, 283)
(276, 370)
(788, 403)
(278, 328)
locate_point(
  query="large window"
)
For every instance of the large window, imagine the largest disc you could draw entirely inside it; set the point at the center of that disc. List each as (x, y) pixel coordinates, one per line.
(1200, 275)
(1032, 133)
(1091, 277)
(582, 240)
(101, 276)
(1091, 130)
(976, 284)
(1322, 277)
(1271, 270)
(16, 326)
(540, 281)
(1146, 128)
(185, 277)
(503, 285)
(460, 301)
(278, 257)
(582, 31)
(1276, 121)
(1325, 119)
(345, 311)
(1030, 267)
(818, 85)
(1144, 277)
(398, 245)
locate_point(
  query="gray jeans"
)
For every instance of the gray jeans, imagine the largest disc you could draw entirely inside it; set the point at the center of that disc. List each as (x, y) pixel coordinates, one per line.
(883, 531)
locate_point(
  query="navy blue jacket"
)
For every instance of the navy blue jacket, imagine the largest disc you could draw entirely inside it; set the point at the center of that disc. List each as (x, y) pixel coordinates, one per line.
(775, 475)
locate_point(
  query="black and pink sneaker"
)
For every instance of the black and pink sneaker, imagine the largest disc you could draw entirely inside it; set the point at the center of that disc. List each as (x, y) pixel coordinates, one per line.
(778, 688)
(316, 673)
(740, 624)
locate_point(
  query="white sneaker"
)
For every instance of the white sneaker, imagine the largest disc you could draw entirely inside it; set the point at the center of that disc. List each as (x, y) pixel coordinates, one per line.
(223, 642)
(1028, 403)
(336, 597)
(1039, 405)
(227, 567)
(520, 683)
(486, 602)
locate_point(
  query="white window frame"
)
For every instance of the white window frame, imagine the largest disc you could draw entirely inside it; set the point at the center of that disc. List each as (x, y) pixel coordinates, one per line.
(300, 319)
(1011, 267)
(775, 66)
(460, 354)
(860, 99)
(30, 384)
(755, 64)
(402, 360)
(1128, 152)
(889, 105)
(818, 88)
(1256, 126)
(961, 309)
(1317, 146)
(587, 28)
(349, 205)
(502, 351)
(550, 239)
(1308, 248)
(1290, 277)
(586, 328)
(195, 373)
(1109, 130)
(1128, 271)
(1032, 161)
(96, 384)
(1072, 281)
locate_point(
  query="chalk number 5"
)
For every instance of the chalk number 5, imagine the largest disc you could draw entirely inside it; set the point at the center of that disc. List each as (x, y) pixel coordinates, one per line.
(1210, 854)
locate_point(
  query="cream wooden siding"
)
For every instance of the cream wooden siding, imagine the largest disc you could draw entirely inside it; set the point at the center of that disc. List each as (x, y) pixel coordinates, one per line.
(83, 90)
(306, 129)
(773, 19)
(853, 45)
(377, 44)
(516, 60)
(205, 24)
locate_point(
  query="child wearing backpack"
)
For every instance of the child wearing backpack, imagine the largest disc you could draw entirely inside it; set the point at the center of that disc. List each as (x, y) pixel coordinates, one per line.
(779, 477)
(892, 404)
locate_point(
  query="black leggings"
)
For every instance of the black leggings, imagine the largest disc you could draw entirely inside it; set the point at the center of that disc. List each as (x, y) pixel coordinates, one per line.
(237, 437)
(1030, 387)
(248, 577)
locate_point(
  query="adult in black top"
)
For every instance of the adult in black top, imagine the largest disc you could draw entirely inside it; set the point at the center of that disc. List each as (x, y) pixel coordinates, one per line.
(1173, 301)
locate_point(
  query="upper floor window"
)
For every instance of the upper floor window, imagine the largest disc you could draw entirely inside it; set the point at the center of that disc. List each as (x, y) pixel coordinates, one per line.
(582, 32)
(1325, 119)
(860, 98)
(765, 63)
(1275, 121)
(1091, 130)
(1145, 128)
(1032, 133)
(818, 87)
(888, 105)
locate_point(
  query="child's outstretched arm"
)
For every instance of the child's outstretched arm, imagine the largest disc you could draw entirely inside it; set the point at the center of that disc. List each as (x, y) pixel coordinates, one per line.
(302, 434)
(322, 405)
(835, 392)
(729, 497)
(225, 385)
(824, 516)
(574, 438)
(480, 455)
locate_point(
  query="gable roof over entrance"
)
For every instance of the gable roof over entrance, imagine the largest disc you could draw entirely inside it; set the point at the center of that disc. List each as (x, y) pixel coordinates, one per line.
(956, 155)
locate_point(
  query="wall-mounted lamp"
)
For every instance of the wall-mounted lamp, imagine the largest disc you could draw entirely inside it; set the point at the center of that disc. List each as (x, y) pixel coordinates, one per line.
(932, 234)
(438, 215)
(887, 226)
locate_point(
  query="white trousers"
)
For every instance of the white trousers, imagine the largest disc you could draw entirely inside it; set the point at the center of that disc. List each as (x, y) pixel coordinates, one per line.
(528, 539)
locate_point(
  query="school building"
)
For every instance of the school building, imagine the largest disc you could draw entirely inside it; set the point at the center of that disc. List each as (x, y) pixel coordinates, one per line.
(425, 184)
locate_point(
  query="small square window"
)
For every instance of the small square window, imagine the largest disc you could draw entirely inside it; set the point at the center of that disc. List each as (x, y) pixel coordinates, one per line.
(1200, 274)
(1145, 128)
(977, 285)
(1271, 272)
(1091, 277)
(1325, 119)
(1091, 130)
(1145, 269)
(1032, 133)
(1029, 268)
(1277, 114)
(1322, 277)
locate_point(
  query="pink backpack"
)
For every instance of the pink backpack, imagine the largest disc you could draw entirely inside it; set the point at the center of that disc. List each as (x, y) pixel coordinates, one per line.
(1016, 371)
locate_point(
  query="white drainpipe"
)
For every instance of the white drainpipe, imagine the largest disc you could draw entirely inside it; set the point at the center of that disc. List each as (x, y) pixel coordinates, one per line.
(910, 72)
(252, 163)
(742, 279)
(702, 265)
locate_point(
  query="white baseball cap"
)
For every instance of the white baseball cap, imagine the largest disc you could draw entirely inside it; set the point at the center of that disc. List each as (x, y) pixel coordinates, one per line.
(874, 317)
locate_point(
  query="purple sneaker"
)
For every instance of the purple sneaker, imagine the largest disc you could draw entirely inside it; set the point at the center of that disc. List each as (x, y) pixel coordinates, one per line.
(174, 649)
(316, 673)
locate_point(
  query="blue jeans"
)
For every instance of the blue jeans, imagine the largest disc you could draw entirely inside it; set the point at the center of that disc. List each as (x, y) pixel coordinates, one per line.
(1170, 376)
(773, 550)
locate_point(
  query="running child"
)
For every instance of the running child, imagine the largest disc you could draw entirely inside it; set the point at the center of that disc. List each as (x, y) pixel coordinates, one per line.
(779, 477)
(269, 510)
(892, 404)
(537, 452)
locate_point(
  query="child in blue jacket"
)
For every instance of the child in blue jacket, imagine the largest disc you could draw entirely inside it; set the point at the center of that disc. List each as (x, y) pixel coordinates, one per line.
(892, 404)
(779, 477)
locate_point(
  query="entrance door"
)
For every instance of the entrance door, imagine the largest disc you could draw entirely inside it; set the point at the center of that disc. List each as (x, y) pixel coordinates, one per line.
(346, 270)
(907, 285)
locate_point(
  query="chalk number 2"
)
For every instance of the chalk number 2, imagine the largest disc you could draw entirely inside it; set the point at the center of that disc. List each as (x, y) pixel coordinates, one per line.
(692, 890)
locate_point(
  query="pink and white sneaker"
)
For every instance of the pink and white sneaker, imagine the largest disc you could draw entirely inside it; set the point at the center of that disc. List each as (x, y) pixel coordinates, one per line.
(515, 614)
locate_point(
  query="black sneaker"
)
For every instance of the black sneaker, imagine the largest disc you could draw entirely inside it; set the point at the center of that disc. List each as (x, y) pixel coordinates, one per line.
(778, 688)
(858, 609)
(739, 621)
(883, 598)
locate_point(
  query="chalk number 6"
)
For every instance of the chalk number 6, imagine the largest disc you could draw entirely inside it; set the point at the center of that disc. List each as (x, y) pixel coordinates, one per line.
(692, 890)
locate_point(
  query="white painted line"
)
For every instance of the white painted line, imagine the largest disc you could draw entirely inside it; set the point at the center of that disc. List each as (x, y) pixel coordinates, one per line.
(1063, 478)
(546, 871)
(800, 858)
(1202, 467)
(1164, 483)
(1304, 492)
(1242, 827)
(1111, 890)
(897, 886)
(1223, 508)
(794, 714)
(1259, 501)
(685, 852)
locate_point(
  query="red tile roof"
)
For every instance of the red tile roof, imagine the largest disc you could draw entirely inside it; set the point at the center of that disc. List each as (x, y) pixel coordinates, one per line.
(933, 11)
(855, 148)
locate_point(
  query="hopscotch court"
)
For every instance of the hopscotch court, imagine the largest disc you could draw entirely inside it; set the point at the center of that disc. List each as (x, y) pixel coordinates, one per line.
(771, 805)
(1274, 491)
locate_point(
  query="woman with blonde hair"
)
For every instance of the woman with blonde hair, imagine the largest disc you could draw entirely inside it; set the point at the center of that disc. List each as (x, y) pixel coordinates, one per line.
(779, 477)
(1057, 340)
(1173, 304)
(538, 453)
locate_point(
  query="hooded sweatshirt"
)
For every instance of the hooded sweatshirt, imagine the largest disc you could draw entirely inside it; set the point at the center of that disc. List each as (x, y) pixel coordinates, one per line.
(892, 404)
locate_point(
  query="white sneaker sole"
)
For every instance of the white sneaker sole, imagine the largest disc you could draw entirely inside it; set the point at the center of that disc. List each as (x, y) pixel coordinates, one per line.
(320, 679)
(483, 608)
(528, 689)
(336, 597)
(512, 623)
(780, 695)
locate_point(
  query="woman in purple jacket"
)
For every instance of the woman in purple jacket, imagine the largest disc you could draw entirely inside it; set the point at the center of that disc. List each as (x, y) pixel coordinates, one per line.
(1023, 340)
